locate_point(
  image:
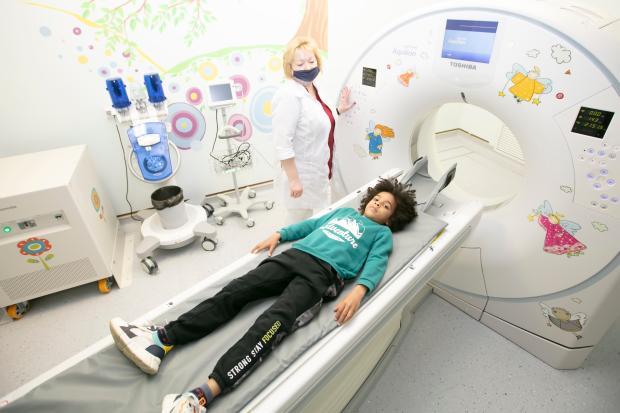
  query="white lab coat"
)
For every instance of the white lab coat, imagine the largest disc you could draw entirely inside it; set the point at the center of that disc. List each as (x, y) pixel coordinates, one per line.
(300, 131)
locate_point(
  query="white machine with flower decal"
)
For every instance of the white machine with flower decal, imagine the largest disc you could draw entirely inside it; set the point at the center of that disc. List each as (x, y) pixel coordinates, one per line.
(58, 228)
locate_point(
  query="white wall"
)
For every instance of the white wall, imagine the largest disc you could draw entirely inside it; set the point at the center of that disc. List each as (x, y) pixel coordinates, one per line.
(54, 91)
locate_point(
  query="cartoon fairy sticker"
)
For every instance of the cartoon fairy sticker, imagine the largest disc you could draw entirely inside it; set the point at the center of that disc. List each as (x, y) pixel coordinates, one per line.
(560, 232)
(526, 84)
(375, 136)
(563, 319)
(36, 247)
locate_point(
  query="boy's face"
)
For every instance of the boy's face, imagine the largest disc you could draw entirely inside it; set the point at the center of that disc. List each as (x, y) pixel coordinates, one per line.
(381, 208)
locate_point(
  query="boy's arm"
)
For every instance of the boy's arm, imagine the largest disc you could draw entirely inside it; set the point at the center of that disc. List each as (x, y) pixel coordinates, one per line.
(373, 271)
(290, 233)
(377, 260)
(301, 229)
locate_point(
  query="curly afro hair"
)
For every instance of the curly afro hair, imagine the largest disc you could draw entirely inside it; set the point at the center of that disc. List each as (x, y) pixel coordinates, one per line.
(404, 212)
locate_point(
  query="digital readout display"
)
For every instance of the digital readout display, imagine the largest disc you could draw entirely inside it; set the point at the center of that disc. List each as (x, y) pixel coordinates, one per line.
(592, 122)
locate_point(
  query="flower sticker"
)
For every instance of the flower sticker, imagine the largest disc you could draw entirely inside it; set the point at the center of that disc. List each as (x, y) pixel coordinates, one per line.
(36, 247)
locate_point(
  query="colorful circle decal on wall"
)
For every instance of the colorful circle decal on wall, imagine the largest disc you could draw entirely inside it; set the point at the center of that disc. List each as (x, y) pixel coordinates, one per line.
(188, 124)
(236, 59)
(243, 85)
(173, 87)
(208, 71)
(103, 72)
(274, 64)
(243, 124)
(194, 95)
(260, 109)
(77, 31)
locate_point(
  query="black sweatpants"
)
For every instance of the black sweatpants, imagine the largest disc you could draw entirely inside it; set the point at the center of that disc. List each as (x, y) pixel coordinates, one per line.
(301, 280)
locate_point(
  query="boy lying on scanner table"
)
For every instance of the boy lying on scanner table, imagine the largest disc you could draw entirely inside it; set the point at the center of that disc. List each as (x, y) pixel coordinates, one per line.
(331, 248)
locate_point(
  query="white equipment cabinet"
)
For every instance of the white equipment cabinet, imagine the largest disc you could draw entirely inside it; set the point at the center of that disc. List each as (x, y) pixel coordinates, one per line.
(57, 226)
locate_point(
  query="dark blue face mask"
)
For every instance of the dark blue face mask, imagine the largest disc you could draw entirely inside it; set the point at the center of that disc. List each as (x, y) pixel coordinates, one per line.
(306, 75)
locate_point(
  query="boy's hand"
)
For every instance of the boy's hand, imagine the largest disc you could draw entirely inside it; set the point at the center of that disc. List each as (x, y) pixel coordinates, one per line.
(270, 243)
(346, 308)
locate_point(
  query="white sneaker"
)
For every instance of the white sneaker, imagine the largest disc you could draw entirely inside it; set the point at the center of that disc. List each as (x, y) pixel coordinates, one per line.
(182, 403)
(137, 344)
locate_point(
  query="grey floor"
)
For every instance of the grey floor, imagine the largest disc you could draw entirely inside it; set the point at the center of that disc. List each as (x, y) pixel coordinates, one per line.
(446, 362)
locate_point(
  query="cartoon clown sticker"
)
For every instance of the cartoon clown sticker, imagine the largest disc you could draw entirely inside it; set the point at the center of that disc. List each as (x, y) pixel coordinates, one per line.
(560, 238)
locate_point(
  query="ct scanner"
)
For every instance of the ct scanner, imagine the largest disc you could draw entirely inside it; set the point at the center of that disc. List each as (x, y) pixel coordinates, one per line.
(539, 263)
(541, 266)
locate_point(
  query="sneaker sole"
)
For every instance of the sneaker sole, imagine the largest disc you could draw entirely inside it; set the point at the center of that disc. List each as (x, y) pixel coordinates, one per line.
(134, 353)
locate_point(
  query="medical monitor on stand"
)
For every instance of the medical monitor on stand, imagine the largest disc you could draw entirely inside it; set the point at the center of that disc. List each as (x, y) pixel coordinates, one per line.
(222, 95)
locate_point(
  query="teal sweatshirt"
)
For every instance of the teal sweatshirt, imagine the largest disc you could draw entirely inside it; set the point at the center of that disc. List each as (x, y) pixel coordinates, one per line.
(347, 241)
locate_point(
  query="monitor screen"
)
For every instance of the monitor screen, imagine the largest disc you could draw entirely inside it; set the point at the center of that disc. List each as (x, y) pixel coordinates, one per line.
(469, 40)
(221, 94)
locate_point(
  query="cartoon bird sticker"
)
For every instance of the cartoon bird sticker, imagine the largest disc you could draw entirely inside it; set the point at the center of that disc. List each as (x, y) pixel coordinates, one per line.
(526, 84)
(560, 232)
(563, 319)
(375, 135)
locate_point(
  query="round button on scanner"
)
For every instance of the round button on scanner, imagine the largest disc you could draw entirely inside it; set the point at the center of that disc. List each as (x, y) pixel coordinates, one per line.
(590, 176)
(596, 185)
(611, 182)
(612, 156)
(603, 206)
(604, 196)
(614, 199)
(604, 171)
(593, 203)
(590, 150)
(601, 153)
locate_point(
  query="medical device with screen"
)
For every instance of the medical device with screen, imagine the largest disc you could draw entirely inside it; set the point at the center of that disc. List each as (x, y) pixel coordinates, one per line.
(469, 40)
(221, 94)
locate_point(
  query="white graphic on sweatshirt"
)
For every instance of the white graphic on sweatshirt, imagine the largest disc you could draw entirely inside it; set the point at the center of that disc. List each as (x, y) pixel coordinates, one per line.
(344, 230)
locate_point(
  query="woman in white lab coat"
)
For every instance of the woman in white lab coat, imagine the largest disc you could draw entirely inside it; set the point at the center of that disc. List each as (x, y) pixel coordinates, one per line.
(303, 128)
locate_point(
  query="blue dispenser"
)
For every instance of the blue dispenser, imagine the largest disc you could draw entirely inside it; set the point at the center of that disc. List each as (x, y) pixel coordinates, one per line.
(154, 88)
(118, 93)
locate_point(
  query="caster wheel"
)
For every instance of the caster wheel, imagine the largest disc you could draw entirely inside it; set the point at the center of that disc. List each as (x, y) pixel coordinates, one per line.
(252, 193)
(208, 244)
(219, 220)
(105, 285)
(250, 222)
(208, 209)
(149, 265)
(17, 311)
(269, 205)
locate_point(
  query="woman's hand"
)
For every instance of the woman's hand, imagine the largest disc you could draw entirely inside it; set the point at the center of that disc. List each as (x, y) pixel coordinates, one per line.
(349, 305)
(296, 188)
(270, 243)
(344, 103)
